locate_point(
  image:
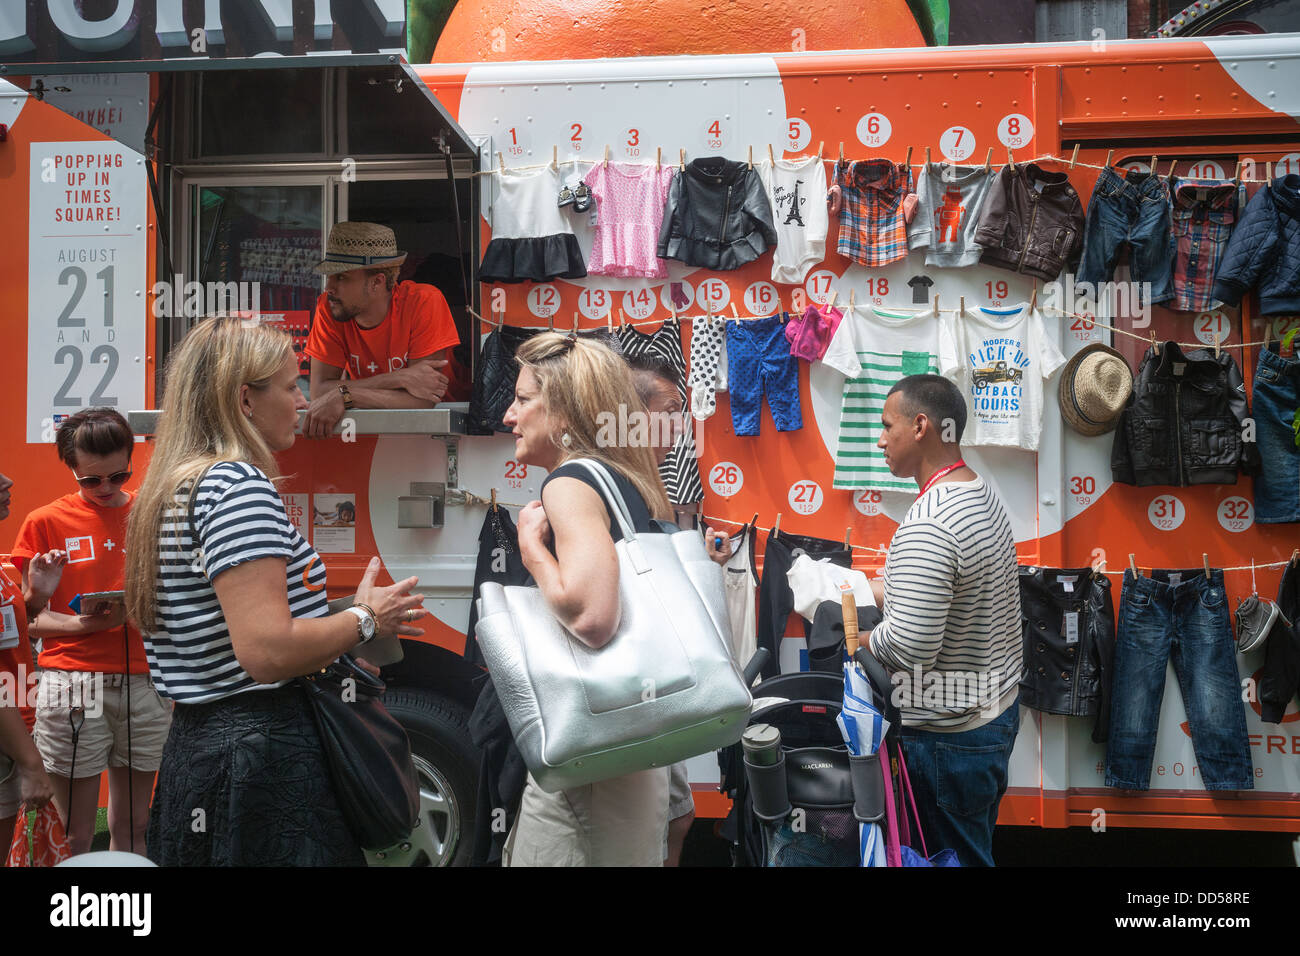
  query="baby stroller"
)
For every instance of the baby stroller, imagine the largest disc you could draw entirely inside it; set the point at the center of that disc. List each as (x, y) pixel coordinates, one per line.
(803, 814)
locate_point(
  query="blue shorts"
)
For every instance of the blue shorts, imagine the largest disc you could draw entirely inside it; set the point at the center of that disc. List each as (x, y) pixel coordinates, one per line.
(758, 362)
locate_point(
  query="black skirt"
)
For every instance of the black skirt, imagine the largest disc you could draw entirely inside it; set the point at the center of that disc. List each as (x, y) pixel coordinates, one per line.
(244, 782)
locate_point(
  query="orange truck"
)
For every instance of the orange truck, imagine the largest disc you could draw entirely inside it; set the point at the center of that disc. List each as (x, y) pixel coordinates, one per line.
(140, 195)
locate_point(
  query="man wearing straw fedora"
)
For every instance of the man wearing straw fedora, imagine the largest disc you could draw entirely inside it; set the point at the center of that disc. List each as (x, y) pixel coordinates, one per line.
(391, 339)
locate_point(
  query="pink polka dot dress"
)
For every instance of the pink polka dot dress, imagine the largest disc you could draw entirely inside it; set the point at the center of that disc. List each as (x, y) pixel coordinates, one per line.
(630, 201)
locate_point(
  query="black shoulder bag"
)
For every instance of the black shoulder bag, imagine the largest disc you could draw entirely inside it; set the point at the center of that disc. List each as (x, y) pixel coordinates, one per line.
(368, 752)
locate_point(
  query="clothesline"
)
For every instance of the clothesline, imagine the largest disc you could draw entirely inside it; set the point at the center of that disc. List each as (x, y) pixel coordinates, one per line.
(1045, 158)
(851, 309)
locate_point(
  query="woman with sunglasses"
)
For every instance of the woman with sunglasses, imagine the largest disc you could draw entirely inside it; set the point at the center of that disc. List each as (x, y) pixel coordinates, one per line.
(93, 662)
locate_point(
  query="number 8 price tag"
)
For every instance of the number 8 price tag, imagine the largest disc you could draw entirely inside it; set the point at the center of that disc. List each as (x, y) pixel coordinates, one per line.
(726, 478)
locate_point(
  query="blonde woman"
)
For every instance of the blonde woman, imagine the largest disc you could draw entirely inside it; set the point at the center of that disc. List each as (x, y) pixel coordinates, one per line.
(566, 541)
(232, 602)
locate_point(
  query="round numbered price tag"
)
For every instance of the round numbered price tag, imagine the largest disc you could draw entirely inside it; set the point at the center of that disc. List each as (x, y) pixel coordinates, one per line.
(632, 142)
(1082, 488)
(957, 143)
(1206, 169)
(1211, 324)
(1138, 166)
(1015, 130)
(726, 478)
(1283, 327)
(515, 473)
(1084, 327)
(594, 303)
(797, 134)
(639, 303)
(677, 293)
(761, 298)
(574, 134)
(1166, 512)
(1236, 514)
(805, 497)
(713, 295)
(515, 142)
(544, 301)
(818, 286)
(1288, 164)
(874, 130)
(715, 135)
(867, 502)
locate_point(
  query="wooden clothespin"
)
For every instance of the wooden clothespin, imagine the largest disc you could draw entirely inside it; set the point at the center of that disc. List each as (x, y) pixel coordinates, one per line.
(776, 526)
(1110, 154)
(1132, 565)
(830, 303)
(852, 296)
(771, 158)
(962, 308)
(1268, 171)
(841, 152)
(555, 157)
(1153, 165)
(494, 499)
(1205, 560)
(1216, 344)
(681, 159)
(927, 156)
(607, 155)
(1173, 164)
(1033, 298)
(1154, 344)
(734, 314)
(1011, 160)
(750, 158)
(936, 303)
(848, 538)
(609, 321)
(907, 161)
(1074, 157)
(575, 324)
(753, 522)
(1099, 568)
(501, 162)
(1237, 175)
(820, 144)
(551, 320)
(1295, 556)
(659, 157)
(988, 160)
(622, 319)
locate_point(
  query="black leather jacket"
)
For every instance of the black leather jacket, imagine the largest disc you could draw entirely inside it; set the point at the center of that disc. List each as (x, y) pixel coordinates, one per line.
(717, 216)
(1184, 424)
(1068, 661)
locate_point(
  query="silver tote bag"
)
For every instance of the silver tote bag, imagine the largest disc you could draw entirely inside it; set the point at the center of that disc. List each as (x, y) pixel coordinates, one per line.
(663, 689)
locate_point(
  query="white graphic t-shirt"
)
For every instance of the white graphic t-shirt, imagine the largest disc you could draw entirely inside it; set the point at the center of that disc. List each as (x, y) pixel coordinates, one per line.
(797, 192)
(1000, 359)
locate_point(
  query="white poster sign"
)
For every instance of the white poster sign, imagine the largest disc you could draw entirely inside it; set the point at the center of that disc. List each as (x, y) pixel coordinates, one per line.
(85, 281)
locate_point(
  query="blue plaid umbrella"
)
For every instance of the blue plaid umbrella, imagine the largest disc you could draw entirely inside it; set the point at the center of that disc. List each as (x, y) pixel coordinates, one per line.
(862, 726)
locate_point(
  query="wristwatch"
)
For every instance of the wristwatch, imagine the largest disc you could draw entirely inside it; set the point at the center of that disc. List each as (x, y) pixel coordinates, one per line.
(347, 397)
(366, 622)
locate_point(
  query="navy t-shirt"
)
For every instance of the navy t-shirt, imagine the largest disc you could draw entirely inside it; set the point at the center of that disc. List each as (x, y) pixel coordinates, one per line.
(641, 520)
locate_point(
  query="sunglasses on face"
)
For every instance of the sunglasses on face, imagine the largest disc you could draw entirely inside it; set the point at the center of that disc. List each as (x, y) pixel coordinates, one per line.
(94, 481)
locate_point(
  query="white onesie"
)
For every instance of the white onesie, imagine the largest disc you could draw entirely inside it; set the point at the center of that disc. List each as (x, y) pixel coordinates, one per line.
(797, 191)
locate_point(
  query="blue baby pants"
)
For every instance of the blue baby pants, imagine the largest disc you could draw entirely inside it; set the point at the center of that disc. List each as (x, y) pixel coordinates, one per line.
(759, 361)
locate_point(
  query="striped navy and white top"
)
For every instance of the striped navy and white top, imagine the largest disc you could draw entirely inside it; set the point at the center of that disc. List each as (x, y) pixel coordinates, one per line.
(240, 517)
(951, 630)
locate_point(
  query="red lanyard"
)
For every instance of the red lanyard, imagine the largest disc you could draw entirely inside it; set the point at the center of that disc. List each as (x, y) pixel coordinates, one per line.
(940, 473)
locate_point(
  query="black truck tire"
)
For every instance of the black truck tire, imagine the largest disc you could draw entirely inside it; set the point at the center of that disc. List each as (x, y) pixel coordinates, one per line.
(446, 763)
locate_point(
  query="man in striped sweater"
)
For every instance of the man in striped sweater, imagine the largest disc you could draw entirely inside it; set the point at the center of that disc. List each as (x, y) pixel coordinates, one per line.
(951, 632)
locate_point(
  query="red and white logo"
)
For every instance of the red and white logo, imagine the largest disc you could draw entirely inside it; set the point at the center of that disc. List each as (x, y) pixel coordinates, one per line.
(80, 549)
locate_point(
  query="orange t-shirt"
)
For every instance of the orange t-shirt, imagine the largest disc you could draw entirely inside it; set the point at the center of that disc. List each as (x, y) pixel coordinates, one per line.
(94, 538)
(418, 324)
(17, 674)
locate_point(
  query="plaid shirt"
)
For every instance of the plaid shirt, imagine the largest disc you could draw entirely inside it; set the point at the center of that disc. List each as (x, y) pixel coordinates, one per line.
(872, 230)
(1204, 212)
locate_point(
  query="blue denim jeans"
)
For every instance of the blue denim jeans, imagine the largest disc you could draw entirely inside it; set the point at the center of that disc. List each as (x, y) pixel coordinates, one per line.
(958, 780)
(1187, 622)
(1275, 405)
(1133, 208)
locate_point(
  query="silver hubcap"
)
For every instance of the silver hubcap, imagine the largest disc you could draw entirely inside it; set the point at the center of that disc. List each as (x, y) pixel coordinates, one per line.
(437, 831)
